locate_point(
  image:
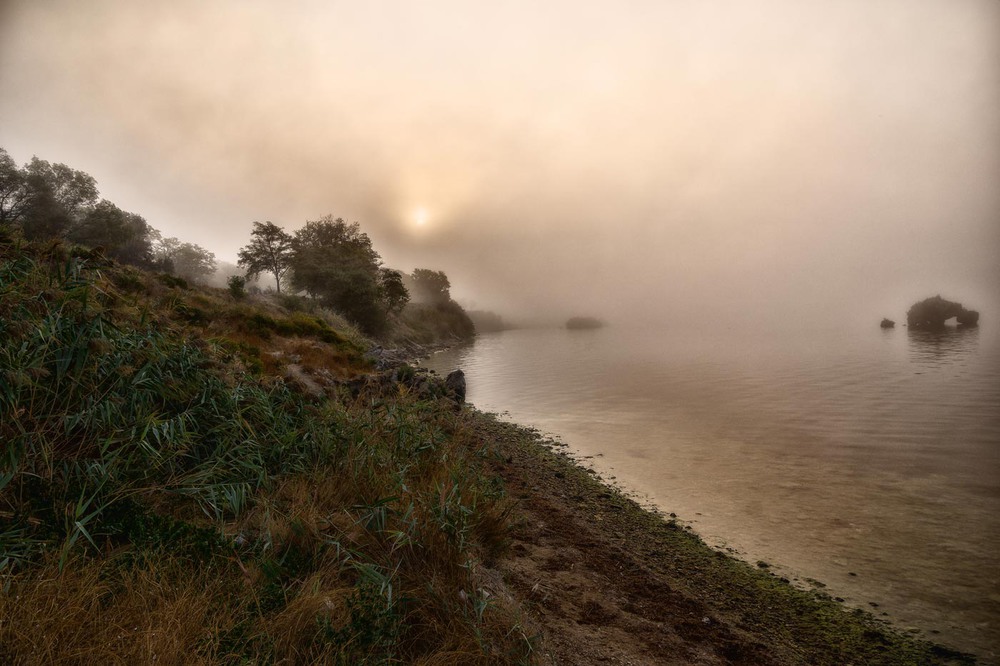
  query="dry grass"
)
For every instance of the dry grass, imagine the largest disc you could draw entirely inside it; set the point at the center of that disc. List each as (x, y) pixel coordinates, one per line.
(97, 612)
(297, 631)
(166, 495)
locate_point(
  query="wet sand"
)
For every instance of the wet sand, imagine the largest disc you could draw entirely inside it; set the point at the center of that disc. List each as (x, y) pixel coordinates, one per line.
(608, 581)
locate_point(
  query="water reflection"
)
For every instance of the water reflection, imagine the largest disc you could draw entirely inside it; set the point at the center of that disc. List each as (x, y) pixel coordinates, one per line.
(935, 348)
(831, 453)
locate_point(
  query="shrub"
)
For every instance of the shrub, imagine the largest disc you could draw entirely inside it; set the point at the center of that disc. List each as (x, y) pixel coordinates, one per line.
(172, 281)
(237, 286)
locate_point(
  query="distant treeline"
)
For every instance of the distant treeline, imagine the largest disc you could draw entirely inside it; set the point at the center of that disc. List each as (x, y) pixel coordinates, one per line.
(48, 200)
(330, 260)
(487, 321)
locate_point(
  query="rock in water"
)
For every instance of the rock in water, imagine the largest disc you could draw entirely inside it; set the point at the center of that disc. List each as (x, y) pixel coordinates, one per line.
(934, 312)
(583, 323)
(968, 318)
(887, 323)
(455, 381)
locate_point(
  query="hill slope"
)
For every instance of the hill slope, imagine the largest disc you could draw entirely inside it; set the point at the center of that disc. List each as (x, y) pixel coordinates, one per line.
(166, 494)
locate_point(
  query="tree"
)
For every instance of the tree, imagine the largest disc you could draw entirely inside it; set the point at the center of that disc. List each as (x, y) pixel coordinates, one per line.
(237, 286)
(163, 251)
(192, 262)
(73, 190)
(124, 236)
(395, 296)
(43, 217)
(187, 260)
(269, 251)
(334, 261)
(58, 198)
(13, 192)
(431, 286)
(45, 199)
(324, 248)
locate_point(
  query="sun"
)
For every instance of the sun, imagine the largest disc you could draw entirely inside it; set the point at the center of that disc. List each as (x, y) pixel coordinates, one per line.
(420, 216)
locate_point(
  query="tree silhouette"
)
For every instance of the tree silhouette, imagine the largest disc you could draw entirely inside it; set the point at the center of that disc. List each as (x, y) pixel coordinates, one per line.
(193, 262)
(269, 251)
(335, 262)
(13, 193)
(431, 286)
(394, 292)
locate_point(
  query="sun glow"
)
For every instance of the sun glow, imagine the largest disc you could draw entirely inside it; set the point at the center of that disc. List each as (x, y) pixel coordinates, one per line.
(420, 216)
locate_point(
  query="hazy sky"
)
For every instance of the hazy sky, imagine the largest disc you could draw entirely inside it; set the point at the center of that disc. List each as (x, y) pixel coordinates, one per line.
(687, 160)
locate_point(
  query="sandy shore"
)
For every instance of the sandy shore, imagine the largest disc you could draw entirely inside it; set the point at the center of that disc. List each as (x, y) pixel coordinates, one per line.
(609, 582)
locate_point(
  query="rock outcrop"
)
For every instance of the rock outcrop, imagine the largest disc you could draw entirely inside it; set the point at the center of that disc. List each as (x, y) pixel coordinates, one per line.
(455, 382)
(934, 312)
(888, 323)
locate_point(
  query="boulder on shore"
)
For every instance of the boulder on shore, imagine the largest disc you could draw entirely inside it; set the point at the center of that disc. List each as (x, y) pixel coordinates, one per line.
(887, 323)
(455, 382)
(935, 311)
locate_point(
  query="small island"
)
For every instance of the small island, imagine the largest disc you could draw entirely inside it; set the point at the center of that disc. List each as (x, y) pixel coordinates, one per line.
(583, 323)
(932, 313)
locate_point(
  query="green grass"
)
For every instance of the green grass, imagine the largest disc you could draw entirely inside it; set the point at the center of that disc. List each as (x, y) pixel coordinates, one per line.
(151, 459)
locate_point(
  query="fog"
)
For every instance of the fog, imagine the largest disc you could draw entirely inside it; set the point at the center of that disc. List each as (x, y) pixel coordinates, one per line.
(661, 161)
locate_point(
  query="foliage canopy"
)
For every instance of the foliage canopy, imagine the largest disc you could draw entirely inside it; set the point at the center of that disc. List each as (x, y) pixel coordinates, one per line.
(431, 286)
(269, 251)
(334, 261)
(394, 292)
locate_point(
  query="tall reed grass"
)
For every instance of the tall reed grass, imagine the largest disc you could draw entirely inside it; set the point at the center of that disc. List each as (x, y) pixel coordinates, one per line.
(163, 495)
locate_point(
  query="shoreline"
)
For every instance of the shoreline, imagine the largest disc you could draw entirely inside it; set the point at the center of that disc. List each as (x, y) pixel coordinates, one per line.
(410, 353)
(626, 580)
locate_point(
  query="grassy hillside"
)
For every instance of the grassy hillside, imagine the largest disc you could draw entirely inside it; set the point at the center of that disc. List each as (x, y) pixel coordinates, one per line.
(170, 493)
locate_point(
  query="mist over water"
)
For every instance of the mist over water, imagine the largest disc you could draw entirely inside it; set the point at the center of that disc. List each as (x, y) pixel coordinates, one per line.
(826, 453)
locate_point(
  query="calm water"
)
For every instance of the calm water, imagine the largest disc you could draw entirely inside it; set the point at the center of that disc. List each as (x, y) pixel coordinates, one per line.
(829, 453)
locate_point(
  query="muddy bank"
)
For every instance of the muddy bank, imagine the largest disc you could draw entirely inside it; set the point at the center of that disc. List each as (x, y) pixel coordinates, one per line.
(610, 582)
